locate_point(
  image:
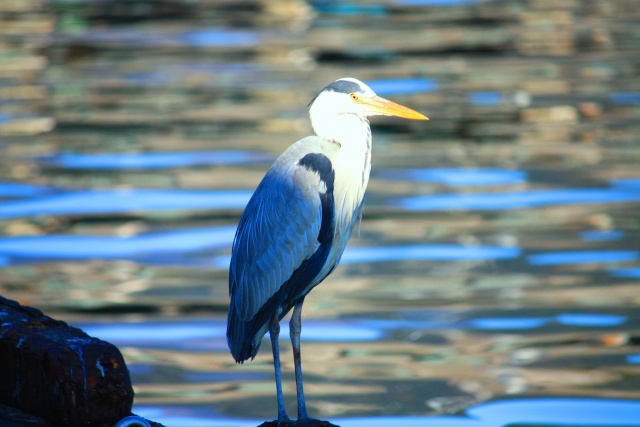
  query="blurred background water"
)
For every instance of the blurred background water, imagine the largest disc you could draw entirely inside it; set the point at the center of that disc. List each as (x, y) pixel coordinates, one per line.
(494, 279)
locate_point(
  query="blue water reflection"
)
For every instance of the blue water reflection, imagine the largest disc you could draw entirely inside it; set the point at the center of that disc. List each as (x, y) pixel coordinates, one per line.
(184, 71)
(354, 255)
(210, 335)
(212, 37)
(627, 183)
(626, 272)
(205, 335)
(17, 190)
(205, 37)
(625, 98)
(153, 160)
(567, 319)
(435, 2)
(200, 377)
(582, 257)
(144, 247)
(36, 248)
(500, 323)
(349, 9)
(150, 332)
(590, 319)
(485, 98)
(515, 200)
(46, 201)
(584, 412)
(147, 247)
(124, 201)
(139, 368)
(191, 336)
(403, 86)
(455, 176)
(601, 235)
(508, 323)
(428, 252)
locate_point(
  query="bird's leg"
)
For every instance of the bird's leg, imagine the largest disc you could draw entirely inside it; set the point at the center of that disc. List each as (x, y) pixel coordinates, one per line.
(274, 333)
(294, 331)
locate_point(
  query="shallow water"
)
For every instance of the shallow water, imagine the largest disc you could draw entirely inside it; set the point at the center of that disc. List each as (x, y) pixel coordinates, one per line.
(494, 279)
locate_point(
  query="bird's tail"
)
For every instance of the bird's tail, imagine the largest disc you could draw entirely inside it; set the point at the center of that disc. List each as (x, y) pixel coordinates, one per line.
(243, 337)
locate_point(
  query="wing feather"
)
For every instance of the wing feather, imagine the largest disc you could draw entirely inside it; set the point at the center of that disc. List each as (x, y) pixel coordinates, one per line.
(278, 231)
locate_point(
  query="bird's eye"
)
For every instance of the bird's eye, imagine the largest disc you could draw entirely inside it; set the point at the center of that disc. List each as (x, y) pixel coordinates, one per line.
(354, 97)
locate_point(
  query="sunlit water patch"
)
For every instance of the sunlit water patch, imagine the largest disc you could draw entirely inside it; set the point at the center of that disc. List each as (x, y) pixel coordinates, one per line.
(583, 412)
(124, 201)
(455, 177)
(153, 160)
(559, 411)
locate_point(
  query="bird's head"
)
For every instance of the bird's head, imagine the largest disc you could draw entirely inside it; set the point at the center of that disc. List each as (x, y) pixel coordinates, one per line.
(351, 97)
(342, 108)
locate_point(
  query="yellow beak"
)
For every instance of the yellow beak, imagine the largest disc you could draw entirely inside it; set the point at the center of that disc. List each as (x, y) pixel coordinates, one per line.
(389, 108)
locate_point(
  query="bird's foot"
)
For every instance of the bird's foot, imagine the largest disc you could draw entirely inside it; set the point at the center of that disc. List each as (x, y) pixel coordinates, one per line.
(308, 422)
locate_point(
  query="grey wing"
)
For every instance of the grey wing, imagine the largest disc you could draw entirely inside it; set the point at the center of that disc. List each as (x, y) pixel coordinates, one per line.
(278, 231)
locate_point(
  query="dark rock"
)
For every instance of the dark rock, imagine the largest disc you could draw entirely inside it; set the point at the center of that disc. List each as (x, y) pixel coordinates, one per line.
(58, 372)
(12, 417)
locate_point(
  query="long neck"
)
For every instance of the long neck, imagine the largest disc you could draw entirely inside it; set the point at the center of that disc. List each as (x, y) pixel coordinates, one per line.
(352, 164)
(344, 129)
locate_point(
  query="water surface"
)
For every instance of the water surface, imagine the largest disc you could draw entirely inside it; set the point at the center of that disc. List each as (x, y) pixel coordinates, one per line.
(494, 279)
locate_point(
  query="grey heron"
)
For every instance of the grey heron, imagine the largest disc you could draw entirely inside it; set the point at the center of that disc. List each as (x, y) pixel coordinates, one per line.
(297, 223)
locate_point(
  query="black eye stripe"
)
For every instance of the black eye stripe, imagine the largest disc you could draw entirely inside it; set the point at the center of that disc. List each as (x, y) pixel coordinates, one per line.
(343, 86)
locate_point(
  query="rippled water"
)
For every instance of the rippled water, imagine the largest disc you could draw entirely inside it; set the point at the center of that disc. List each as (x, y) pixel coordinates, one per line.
(494, 279)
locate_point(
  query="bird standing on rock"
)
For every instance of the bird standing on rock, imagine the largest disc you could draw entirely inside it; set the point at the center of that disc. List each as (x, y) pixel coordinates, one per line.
(297, 224)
